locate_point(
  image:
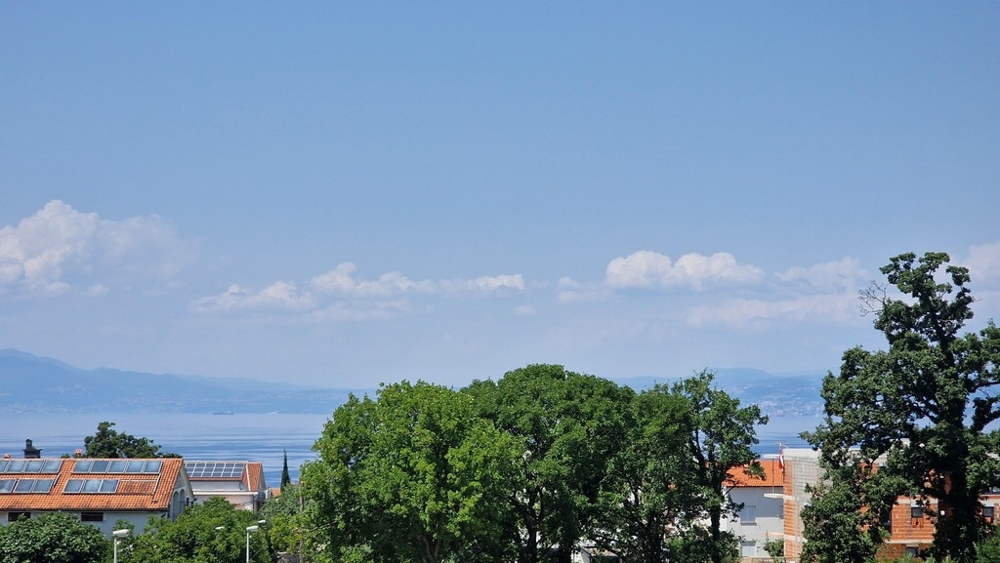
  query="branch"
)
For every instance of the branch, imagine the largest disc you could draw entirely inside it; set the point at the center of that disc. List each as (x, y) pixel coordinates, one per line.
(872, 298)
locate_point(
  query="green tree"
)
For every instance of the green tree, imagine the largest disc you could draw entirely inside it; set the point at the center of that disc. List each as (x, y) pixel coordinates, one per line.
(844, 520)
(412, 476)
(721, 438)
(212, 532)
(567, 426)
(649, 493)
(286, 523)
(54, 537)
(286, 479)
(923, 408)
(109, 443)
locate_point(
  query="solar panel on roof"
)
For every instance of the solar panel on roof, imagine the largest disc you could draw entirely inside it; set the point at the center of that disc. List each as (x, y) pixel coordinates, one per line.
(217, 469)
(43, 485)
(7, 485)
(82, 466)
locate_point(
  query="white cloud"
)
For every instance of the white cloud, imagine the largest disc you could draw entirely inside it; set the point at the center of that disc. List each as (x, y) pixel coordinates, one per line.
(832, 308)
(845, 273)
(572, 291)
(693, 271)
(340, 294)
(483, 285)
(524, 310)
(280, 296)
(58, 248)
(983, 262)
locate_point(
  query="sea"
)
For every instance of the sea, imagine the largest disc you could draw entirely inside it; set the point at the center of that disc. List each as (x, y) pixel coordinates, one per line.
(254, 437)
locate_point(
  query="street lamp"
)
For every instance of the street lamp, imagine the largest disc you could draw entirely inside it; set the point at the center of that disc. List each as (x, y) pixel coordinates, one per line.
(118, 535)
(250, 529)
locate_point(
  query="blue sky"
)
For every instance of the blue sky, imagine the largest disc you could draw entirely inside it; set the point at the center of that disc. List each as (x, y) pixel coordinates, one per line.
(349, 193)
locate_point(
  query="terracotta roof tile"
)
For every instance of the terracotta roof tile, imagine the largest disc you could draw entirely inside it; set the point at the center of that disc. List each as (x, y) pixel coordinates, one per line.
(773, 475)
(140, 492)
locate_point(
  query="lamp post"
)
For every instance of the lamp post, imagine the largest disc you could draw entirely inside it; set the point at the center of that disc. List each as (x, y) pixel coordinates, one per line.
(250, 529)
(118, 535)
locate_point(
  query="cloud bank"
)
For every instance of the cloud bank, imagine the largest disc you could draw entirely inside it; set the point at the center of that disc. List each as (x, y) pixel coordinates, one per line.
(59, 249)
(341, 294)
(647, 269)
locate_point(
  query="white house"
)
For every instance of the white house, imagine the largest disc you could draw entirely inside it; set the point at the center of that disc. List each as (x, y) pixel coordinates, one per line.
(762, 517)
(239, 482)
(101, 491)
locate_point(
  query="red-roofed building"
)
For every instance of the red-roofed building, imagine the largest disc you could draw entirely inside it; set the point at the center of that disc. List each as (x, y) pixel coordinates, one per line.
(762, 517)
(101, 491)
(239, 482)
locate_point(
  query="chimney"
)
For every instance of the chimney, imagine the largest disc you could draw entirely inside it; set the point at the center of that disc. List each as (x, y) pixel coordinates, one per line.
(31, 452)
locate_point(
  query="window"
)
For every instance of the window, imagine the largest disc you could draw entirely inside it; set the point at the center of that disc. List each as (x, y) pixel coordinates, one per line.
(92, 517)
(912, 551)
(15, 516)
(916, 512)
(988, 511)
(748, 514)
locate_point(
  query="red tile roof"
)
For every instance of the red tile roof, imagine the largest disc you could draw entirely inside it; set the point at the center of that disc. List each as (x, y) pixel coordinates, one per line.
(252, 475)
(136, 491)
(773, 475)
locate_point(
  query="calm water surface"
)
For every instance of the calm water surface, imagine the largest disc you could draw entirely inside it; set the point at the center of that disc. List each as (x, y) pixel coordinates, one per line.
(255, 437)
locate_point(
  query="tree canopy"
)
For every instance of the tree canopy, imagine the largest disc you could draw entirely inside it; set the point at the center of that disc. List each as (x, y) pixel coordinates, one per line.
(412, 476)
(54, 537)
(524, 469)
(212, 532)
(109, 443)
(920, 412)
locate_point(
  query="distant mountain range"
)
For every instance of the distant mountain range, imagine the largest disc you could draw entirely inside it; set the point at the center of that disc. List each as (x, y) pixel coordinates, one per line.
(30, 383)
(34, 384)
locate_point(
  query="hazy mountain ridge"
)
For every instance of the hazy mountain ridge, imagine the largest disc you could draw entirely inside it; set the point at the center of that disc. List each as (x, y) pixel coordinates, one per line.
(38, 384)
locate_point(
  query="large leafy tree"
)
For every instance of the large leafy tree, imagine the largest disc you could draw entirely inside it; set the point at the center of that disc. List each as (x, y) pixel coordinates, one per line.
(109, 443)
(212, 532)
(722, 436)
(55, 537)
(922, 409)
(650, 492)
(412, 476)
(566, 426)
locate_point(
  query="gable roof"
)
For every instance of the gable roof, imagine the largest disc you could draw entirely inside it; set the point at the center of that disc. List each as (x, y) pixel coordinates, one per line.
(773, 475)
(70, 488)
(249, 473)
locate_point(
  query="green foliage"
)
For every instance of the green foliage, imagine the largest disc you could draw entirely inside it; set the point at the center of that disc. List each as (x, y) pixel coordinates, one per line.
(194, 537)
(566, 426)
(55, 537)
(722, 435)
(522, 469)
(109, 443)
(286, 479)
(776, 549)
(989, 550)
(924, 406)
(649, 493)
(413, 476)
(285, 521)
